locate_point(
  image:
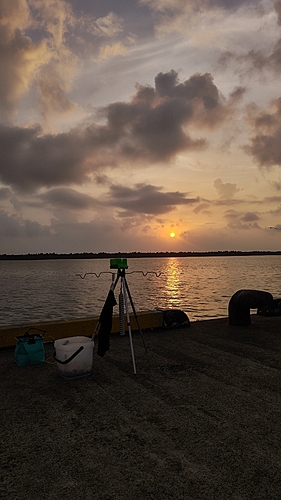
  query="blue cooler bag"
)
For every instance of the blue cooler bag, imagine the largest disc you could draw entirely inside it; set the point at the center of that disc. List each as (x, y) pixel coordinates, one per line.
(29, 350)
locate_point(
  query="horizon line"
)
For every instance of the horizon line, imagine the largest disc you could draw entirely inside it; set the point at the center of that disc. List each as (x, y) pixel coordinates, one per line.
(95, 255)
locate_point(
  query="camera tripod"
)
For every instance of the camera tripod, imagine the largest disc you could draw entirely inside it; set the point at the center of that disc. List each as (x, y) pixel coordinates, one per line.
(125, 292)
(104, 325)
(123, 296)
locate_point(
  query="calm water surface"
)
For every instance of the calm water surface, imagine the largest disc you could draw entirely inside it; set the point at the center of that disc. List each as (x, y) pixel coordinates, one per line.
(46, 290)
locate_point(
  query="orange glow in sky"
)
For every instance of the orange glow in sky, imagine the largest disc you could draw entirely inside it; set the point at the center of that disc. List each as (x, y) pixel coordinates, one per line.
(148, 115)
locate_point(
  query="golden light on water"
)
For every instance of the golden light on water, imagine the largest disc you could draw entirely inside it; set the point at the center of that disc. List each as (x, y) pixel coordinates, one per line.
(171, 290)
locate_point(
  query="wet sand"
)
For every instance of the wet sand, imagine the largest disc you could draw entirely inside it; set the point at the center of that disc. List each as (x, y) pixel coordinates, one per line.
(201, 419)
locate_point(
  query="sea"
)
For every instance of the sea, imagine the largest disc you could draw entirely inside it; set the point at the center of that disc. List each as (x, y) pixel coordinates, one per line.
(61, 289)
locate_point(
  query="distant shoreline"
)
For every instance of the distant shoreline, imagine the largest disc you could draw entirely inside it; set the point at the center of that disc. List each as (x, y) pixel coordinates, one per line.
(131, 255)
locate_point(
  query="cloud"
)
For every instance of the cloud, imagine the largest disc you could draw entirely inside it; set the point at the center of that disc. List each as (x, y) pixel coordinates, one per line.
(40, 41)
(225, 190)
(142, 201)
(250, 217)
(273, 199)
(155, 124)
(258, 61)
(30, 159)
(41, 58)
(177, 16)
(5, 193)
(238, 221)
(108, 26)
(68, 198)
(277, 7)
(153, 127)
(20, 58)
(265, 142)
(56, 76)
(238, 226)
(52, 92)
(229, 238)
(133, 205)
(194, 5)
(277, 211)
(255, 61)
(14, 227)
(107, 51)
(203, 207)
(146, 199)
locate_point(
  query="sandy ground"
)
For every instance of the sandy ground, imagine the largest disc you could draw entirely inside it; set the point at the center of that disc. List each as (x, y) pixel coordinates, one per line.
(201, 419)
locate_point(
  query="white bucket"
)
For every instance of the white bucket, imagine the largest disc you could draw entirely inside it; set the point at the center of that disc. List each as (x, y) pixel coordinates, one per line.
(74, 356)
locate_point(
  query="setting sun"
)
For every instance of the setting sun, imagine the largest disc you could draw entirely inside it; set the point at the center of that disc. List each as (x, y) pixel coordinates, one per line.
(172, 235)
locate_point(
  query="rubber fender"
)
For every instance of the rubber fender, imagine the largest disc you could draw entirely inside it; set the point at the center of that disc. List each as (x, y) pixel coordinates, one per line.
(174, 317)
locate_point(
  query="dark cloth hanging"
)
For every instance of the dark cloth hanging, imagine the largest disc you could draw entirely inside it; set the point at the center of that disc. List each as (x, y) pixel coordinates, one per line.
(105, 320)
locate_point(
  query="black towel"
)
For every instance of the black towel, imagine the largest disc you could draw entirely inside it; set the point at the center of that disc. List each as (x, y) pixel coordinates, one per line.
(106, 324)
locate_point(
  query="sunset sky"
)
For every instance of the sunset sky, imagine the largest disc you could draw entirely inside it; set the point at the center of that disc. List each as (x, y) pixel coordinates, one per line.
(123, 121)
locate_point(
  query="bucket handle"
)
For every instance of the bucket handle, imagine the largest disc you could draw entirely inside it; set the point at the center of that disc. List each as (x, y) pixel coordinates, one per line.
(71, 357)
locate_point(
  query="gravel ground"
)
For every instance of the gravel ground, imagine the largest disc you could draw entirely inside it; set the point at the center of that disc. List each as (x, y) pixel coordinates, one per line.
(201, 419)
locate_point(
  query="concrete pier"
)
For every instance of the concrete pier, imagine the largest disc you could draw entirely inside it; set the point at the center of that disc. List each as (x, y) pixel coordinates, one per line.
(201, 419)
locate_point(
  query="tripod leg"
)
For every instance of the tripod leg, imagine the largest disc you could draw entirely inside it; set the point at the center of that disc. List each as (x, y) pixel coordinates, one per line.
(96, 330)
(134, 311)
(121, 312)
(129, 328)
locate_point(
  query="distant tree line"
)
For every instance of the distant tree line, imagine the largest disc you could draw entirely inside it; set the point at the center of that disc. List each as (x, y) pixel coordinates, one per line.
(131, 255)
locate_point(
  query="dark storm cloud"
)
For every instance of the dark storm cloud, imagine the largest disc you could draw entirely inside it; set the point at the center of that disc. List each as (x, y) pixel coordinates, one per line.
(139, 200)
(147, 199)
(265, 143)
(153, 127)
(30, 159)
(13, 226)
(5, 193)
(68, 198)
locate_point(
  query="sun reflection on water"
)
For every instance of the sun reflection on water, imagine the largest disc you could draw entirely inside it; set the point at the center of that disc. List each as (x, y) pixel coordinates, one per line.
(171, 290)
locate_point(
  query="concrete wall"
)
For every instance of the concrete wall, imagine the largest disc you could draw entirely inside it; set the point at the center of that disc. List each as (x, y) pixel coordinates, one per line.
(71, 328)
